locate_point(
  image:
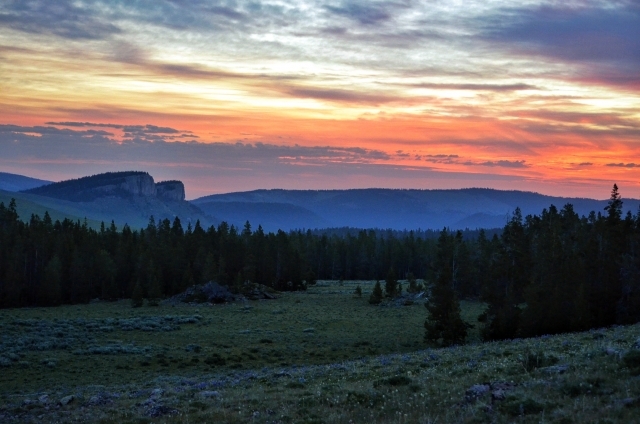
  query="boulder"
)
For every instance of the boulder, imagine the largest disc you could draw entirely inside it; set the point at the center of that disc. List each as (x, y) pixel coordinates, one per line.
(208, 394)
(67, 400)
(476, 391)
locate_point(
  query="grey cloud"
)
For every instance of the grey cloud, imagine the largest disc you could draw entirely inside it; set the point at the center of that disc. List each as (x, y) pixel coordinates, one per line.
(157, 143)
(132, 133)
(348, 96)
(605, 39)
(442, 158)
(501, 163)
(83, 124)
(478, 87)
(63, 18)
(585, 164)
(363, 12)
(44, 131)
(625, 165)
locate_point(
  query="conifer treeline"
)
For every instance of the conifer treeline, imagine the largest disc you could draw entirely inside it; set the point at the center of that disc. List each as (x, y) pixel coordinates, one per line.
(49, 263)
(543, 274)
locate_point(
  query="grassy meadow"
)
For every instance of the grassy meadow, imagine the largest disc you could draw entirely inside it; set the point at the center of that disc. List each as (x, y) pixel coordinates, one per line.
(322, 355)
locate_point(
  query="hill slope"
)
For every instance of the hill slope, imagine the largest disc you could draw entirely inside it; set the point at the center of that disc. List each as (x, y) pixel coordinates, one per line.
(14, 182)
(28, 205)
(124, 197)
(386, 208)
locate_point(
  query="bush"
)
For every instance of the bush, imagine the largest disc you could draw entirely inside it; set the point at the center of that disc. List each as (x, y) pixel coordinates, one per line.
(215, 360)
(632, 360)
(530, 360)
(515, 406)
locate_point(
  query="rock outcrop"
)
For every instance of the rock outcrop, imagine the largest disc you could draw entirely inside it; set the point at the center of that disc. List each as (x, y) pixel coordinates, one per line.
(170, 190)
(118, 184)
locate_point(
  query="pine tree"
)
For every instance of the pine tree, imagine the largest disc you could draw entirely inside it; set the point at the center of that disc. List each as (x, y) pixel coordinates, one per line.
(376, 294)
(614, 206)
(358, 291)
(413, 287)
(391, 284)
(444, 324)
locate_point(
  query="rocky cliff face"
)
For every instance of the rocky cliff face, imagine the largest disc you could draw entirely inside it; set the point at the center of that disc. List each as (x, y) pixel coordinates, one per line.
(87, 189)
(170, 190)
(139, 185)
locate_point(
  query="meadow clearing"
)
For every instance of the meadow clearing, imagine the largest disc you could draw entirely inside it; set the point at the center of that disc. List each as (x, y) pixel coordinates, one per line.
(323, 355)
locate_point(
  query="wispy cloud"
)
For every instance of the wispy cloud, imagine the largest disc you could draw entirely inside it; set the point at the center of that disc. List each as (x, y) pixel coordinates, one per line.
(62, 18)
(501, 163)
(624, 165)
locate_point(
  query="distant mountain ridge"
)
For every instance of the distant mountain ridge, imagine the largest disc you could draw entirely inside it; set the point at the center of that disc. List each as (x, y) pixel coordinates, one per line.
(15, 182)
(115, 184)
(130, 197)
(396, 209)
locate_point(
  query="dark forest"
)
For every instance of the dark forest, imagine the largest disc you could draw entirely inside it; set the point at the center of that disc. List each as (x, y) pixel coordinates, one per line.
(544, 274)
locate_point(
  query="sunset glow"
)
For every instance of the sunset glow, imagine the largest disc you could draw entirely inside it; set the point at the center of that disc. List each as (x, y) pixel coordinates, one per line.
(229, 96)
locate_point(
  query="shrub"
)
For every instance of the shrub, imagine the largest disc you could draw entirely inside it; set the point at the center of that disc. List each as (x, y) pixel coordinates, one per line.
(530, 360)
(632, 360)
(515, 406)
(215, 360)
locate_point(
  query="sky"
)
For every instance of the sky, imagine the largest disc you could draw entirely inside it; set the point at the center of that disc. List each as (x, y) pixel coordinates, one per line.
(536, 95)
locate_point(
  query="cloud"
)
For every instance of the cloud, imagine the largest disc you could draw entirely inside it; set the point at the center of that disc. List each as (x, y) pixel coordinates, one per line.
(362, 12)
(624, 165)
(346, 96)
(603, 37)
(62, 18)
(585, 164)
(477, 87)
(134, 133)
(79, 150)
(591, 34)
(502, 163)
(158, 144)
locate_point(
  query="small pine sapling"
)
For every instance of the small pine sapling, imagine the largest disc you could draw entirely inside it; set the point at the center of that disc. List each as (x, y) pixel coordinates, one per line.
(414, 287)
(391, 284)
(358, 291)
(376, 294)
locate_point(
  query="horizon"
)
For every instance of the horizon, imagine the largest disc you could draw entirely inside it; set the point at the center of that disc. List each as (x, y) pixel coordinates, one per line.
(326, 94)
(343, 189)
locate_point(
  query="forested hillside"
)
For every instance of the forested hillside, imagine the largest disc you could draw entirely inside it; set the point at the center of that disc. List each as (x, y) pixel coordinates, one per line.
(546, 273)
(385, 208)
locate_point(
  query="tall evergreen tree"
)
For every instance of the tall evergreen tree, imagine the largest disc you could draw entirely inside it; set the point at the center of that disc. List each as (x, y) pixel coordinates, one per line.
(444, 324)
(391, 284)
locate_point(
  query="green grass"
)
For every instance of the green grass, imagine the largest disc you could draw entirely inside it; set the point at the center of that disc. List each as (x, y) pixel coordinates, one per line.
(319, 356)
